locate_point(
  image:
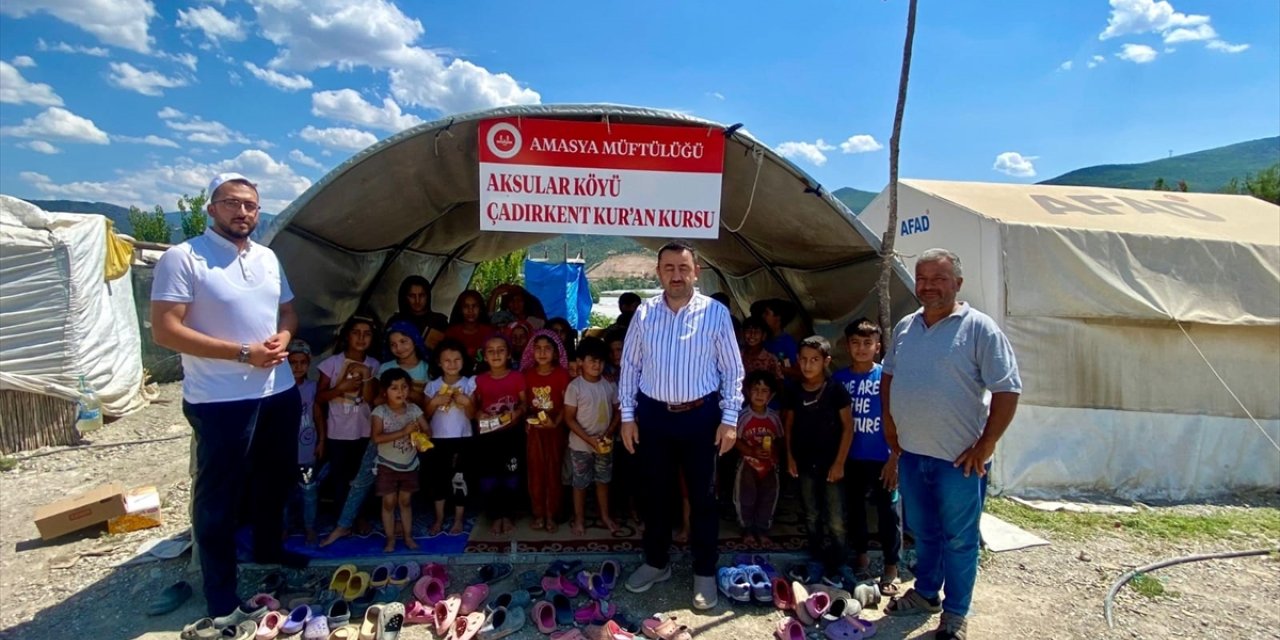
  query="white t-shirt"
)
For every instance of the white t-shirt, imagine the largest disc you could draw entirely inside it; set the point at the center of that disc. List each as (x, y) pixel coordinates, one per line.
(596, 402)
(231, 295)
(450, 422)
(348, 413)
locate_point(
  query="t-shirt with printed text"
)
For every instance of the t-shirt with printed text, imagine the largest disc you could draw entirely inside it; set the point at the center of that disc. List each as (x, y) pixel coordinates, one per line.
(753, 428)
(868, 432)
(398, 454)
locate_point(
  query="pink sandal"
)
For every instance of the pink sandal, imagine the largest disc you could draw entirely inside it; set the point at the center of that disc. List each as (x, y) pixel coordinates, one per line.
(446, 613)
(544, 616)
(429, 590)
(419, 613)
(473, 598)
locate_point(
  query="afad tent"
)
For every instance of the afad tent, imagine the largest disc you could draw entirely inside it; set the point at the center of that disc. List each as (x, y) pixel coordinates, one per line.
(1117, 302)
(409, 205)
(60, 317)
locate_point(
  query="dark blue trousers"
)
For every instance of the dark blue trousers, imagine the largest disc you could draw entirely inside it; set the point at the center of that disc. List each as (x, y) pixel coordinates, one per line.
(672, 442)
(240, 445)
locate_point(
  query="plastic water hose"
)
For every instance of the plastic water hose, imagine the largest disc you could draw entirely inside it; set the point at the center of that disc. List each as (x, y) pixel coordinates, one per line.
(1115, 588)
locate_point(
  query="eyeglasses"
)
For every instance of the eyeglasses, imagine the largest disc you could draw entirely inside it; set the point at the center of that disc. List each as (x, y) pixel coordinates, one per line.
(236, 203)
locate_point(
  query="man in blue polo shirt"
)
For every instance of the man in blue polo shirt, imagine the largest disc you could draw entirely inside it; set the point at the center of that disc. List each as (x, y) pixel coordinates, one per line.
(223, 302)
(950, 386)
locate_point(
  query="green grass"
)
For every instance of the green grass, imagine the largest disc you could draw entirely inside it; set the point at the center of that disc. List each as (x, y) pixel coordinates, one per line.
(7, 464)
(1259, 522)
(1149, 586)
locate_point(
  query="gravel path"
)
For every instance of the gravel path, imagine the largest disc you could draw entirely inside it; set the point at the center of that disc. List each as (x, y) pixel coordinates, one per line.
(1053, 591)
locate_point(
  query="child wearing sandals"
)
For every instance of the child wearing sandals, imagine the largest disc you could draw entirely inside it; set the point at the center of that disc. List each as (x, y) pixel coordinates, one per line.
(591, 411)
(546, 375)
(450, 410)
(818, 422)
(500, 399)
(871, 467)
(397, 464)
(755, 489)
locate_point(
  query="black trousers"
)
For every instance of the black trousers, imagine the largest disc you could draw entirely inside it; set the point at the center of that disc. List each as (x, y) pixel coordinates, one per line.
(240, 444)
(672, 442)
(860, 478)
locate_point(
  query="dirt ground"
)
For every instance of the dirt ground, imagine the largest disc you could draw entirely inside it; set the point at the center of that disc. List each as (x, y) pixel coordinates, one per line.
(627, 265)
(1053, 591)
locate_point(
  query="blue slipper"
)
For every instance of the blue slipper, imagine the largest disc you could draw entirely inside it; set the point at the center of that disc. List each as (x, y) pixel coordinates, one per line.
(761, 583)
(733, 583)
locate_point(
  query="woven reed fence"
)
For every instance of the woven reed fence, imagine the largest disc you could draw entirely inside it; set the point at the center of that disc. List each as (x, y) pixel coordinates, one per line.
(31, 421)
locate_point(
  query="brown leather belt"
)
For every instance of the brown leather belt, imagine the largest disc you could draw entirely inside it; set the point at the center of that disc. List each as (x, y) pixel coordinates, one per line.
(684, 406)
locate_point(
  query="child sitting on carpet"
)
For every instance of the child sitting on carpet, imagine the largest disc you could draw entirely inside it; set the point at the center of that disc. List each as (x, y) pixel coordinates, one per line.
(450, 410)
(591, 411)
(546, 376)
(397, 465)
(755, 492)
(500, 399)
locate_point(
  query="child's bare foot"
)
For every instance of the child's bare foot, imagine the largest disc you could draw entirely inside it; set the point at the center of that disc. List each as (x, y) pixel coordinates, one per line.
(764, 541)
(610, 524)
(552, 526)
(335, 535)
(435, 528)
(578, 528)
(408, 542)
(681, 537)
(750, 540)
(537, 524)
(509, 525)
(456, 528)
(496, 528)
(390, 546)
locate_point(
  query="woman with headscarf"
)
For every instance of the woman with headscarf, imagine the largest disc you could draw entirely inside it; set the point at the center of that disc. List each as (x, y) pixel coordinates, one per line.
(512, 302)
(469, 324)
(414, 300)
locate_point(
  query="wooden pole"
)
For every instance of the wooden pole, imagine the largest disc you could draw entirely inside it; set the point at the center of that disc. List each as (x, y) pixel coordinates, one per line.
(890, 233)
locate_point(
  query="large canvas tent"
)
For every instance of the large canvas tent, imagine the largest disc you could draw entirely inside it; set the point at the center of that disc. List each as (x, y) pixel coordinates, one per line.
(1111, 297)
(409, 205)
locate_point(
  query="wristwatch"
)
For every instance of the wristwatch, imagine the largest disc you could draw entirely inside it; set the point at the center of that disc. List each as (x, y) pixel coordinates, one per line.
(243, 356)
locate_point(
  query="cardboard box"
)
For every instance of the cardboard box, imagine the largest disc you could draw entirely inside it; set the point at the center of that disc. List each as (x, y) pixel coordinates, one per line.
(142, 511)
(76, 513)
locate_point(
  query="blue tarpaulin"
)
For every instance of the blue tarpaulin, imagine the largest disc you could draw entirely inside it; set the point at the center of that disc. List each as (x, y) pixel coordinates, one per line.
(562, 287)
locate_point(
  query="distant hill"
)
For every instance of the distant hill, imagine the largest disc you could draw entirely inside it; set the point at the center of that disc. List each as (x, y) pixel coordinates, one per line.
(120, 215)
(855, 199)
(595, 249)
(1205, 171)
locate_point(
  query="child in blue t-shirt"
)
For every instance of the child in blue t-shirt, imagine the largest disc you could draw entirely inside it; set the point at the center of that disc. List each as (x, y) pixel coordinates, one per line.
(871, 467)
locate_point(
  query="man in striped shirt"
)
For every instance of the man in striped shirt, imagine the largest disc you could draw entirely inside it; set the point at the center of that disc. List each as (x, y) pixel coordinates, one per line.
(681, 388)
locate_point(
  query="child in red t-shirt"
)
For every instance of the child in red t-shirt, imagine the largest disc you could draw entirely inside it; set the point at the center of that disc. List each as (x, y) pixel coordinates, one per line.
(755, 492)
(546, 375)
(500, 399)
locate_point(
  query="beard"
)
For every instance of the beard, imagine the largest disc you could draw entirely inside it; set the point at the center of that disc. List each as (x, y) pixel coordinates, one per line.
(235, 233)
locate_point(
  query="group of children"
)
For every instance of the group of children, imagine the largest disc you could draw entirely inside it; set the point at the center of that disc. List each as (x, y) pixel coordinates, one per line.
(526, 411)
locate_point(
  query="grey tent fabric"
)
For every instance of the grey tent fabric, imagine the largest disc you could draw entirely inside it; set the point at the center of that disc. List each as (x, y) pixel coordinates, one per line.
(409, 205)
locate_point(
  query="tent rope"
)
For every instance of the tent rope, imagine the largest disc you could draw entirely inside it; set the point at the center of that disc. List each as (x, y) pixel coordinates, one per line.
(758, 154)
(1225, 385)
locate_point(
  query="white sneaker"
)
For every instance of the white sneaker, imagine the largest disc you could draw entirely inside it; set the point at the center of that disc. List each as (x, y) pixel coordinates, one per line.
(646, 576)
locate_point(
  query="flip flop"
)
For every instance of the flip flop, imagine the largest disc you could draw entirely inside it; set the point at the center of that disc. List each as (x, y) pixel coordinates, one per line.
(502, 623)
(783, 598)
(419, 613)
(544, 616)
(341, 577)
(381, 575)
(202, 629)
(170, 599)
(788, 629)
(446, 614)
(473, 598)
(491, 573)
(429, 590)
(372, 623)
(392, 620)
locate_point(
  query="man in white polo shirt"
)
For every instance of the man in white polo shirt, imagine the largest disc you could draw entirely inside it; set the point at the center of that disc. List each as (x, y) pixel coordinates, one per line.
(223, 302)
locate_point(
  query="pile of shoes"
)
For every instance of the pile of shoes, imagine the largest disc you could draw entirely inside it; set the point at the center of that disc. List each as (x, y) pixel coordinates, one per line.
(822, 604)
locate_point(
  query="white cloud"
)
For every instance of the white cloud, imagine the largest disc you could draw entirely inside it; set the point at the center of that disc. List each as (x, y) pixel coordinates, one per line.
(278, 183)
(1146, 16)
(23, 61)
(188, 60)
(14, 89)
(234, 79)
(811, 152)
(1225, 47)
(148, 83)
(201, 131)
(304, 159)
(339, 138)
(40, 146)
(169, 113)
(278, 80)
(376, 34)
(153, 140)
(216, 27)
(62, 47)
(1136, 53)
(121, 23)
(58, 124)
(1015, 164)
(1066, 66)
(1190, 34)
(717, 95)
(861, 143)
(346, 105)
(1095, 61)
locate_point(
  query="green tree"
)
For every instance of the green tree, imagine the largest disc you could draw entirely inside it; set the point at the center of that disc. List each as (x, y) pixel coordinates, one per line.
(149, 227)
(194, 217)
(508, 269)
(599, 320)
(1264, 186)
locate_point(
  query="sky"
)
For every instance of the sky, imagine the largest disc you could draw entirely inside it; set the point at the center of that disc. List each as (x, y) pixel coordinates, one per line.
(137, 102)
